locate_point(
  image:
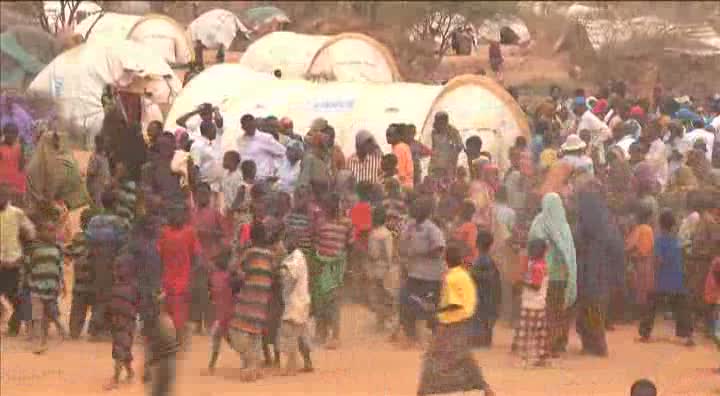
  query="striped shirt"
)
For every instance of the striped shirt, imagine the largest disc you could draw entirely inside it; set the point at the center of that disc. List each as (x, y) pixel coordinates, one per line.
(83, 273)
(367, 170)
(46, 270)
(252, 301)
(298, 226)
(332, 238)
(127, 201)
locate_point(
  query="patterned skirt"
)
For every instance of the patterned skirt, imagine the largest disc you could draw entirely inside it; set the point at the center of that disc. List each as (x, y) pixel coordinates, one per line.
(448, 365)
(531, 334)
(558, 321)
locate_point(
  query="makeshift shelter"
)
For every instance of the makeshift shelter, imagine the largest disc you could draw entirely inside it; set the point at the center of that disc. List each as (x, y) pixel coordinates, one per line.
(475, 104)
(159, 32)
(344, 57)
(266, 19)
(216, 28)
(77, 77)
(24, 51)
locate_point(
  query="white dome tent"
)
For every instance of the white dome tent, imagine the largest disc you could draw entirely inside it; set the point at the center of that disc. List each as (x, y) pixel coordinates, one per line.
(159, 32)
(350, 57)
(216, 28)
(475, 104)
(77, 77)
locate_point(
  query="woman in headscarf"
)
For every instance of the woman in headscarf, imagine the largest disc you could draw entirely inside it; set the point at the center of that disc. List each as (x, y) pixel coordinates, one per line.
(701, 167)
(551, 226)
(482, 193)
(600, 259)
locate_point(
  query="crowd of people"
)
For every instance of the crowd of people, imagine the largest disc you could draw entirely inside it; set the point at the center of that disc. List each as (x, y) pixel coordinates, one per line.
(609, 213)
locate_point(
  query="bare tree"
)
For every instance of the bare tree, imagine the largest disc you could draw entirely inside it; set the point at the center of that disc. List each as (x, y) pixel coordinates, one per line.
(66, 16)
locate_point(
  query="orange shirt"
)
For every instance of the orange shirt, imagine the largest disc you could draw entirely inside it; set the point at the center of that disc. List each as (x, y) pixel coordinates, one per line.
(641, 241)
(467, 233)
(405, 164)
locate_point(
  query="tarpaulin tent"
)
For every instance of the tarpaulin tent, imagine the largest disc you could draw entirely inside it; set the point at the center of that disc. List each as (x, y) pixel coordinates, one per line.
(475, 104)
(344, 57)
(159, 32)
(77, 77)
(257, 18)
(216, 28)
(25, 50)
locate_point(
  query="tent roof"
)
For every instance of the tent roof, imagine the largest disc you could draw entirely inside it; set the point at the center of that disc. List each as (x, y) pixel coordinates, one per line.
(216, 27)
(299, 55)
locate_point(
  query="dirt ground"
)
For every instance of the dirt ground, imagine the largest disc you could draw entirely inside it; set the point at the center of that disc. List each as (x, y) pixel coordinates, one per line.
(367, 365)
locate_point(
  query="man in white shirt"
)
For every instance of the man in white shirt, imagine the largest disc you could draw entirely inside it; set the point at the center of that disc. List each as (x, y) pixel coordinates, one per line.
(624, 136)
(206, 153)
(699, 133)
(259, 147)
(599, 131)
(206, 113)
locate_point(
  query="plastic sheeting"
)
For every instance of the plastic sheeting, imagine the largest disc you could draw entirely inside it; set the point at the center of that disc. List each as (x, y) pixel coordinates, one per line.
(476, 105)
(216, 28)
(76, 79)
(351, 57)
(159, 32)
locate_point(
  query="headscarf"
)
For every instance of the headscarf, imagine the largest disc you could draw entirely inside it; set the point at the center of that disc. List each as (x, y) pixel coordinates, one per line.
(551, 226)
(683, 180)
(698, 162)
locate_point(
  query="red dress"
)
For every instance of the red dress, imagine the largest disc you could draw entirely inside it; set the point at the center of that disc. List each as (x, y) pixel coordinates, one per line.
(177, 247)
(10, 171)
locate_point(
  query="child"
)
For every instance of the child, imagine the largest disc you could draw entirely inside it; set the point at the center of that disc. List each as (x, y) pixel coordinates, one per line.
(242, 200)
(98, 171)
(487, 280)
(233, 179)
(83, 293)
(467, 232)
(640, 247)
(252, 300)
(669, 283)
(532, 331)
(123, 317)
(126, 193)
(380, 253)
(361, 218)
(298, 223)
(448, 364)
(293, 334)
(332, 240)
(643, 387)
(46, 282)
(388, 164)
(395, 208)
(179, 251)
(209, 226)
(222, 299)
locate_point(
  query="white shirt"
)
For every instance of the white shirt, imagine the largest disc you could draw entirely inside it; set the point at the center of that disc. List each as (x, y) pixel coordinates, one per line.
(264, 150)
(231, 183)
(708, 137)
(535, 299)
(193, 128)
(208, 158)
(287, 174)
(657, 155)
(579, 162)
(598, 129)
(13, 221)
(296, 296)
(625, 144)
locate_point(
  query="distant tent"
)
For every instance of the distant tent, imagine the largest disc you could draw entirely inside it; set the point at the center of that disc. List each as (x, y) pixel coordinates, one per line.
(344, 57)
(259, 18)
(216, 28)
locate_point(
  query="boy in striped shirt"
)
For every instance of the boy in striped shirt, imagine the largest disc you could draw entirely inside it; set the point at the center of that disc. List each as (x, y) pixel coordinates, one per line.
(252, 300)
(83, 292)
(46, 281)
(332, 239)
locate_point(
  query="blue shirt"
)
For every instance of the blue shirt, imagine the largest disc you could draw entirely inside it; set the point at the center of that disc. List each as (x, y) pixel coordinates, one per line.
(669, 277)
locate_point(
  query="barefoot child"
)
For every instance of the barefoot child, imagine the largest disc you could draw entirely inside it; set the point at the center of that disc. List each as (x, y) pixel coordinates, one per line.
(222, 299)
(380, 253)
(45, 265)
(293, 334)
(123, 317)
(532, 331)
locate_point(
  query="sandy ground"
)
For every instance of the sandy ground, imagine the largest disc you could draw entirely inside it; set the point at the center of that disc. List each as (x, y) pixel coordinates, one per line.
(367, 365)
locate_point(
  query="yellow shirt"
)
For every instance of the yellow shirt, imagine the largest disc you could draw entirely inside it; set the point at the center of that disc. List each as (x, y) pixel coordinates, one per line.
(458, 289)
(548, 158)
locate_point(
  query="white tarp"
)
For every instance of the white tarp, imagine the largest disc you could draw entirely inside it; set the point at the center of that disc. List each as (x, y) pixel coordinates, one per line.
(345, 57)
(76, 79)
(475, 104)
(159, 32)
(216, 28)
